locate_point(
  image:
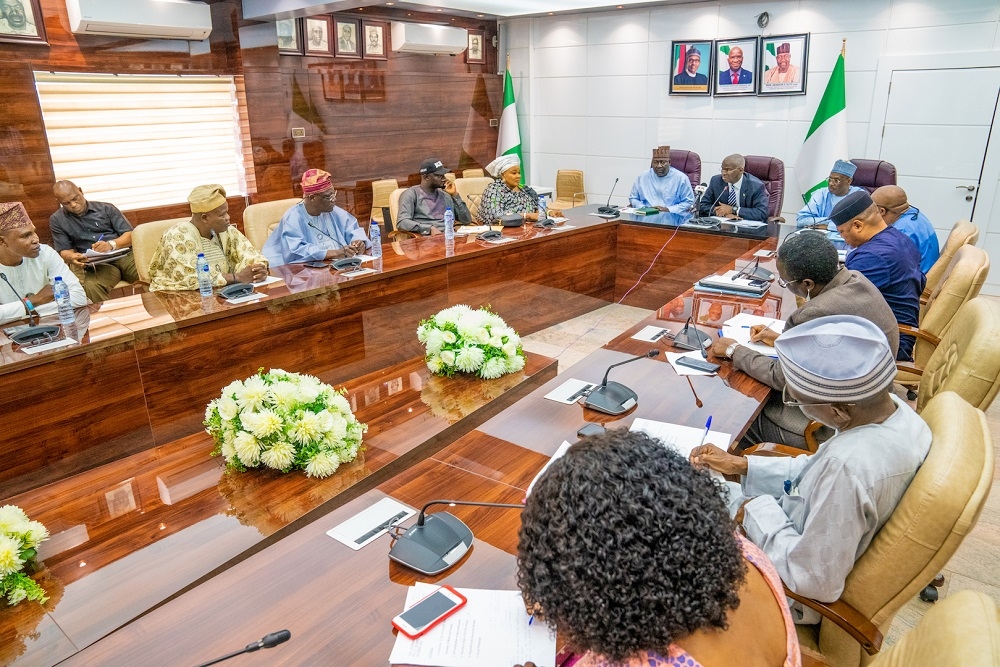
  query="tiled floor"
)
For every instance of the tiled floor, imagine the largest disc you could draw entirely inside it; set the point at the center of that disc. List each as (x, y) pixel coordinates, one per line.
(975, 566)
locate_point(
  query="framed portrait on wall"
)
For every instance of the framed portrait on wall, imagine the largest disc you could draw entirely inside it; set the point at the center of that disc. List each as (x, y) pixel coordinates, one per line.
(289, 36)
(374, 40)
(783, 68)
(736, 72)
(346, 37)
(21, 21)
(476, 52)
(317, 38)
(691, 66)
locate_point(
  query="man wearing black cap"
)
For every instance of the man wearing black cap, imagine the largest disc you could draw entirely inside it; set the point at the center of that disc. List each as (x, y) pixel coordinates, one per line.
(422, 207)
(884, 255)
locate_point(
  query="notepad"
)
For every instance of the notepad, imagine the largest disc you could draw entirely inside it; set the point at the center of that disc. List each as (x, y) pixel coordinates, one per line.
(681, 439)
(738, 328)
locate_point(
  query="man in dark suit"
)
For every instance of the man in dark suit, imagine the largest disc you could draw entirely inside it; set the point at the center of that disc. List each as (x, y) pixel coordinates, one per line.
(735, 73)
(690, 76)
(734, 194)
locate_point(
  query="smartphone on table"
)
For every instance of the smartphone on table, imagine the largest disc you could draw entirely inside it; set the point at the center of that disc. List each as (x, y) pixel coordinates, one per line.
(429, 611)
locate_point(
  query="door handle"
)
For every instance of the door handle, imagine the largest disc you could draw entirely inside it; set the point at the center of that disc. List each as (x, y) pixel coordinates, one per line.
(970, 188)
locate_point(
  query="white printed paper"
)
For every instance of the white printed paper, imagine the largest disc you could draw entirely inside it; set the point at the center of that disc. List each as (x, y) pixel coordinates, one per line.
(738, 328)
(491, 630)
(563, 448)
(269, 280)
(570, 391)
(682, 439)
(62, 342)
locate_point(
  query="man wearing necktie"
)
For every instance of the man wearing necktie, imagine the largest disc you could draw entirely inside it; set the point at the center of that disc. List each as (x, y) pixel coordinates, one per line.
(735, 74)
(735, 194)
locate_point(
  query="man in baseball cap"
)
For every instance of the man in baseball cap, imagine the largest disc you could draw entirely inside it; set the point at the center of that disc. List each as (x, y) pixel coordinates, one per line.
(422, 207)
(815, 515)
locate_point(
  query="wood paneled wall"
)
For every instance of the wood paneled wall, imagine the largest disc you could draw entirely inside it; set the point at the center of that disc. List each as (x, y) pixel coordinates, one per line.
(364, 119)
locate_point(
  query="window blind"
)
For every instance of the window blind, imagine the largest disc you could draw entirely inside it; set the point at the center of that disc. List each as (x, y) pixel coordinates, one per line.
(138, 141)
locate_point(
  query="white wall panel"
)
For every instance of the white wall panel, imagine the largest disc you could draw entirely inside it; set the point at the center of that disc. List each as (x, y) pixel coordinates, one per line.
(616, 96)
(687, 133)
(863, 50)
(618, 28)
(684, 22)
(616, 59)
(906, 144)
(561, 134)
(943, 39)
(547, 164)
(843, 15)
(601, 173)
(560, 31)
(560, 97)
(921, 13)
(914, 99)
(616, 137)
(560, 61)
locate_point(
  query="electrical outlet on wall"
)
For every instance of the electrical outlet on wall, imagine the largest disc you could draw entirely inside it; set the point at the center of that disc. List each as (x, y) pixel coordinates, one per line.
(298, 133)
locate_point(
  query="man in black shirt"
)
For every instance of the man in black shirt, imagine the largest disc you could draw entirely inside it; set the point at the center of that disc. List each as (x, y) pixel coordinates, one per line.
(80, 225)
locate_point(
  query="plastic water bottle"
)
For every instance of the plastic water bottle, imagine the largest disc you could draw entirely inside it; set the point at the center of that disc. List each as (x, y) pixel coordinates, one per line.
(60, 290)
(375, 236)
(543, 211)
(204, 276)
(449, 225)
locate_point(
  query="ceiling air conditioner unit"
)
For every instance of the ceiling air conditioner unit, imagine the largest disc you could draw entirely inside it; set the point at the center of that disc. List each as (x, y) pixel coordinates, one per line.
(425, 38)
(148, 19)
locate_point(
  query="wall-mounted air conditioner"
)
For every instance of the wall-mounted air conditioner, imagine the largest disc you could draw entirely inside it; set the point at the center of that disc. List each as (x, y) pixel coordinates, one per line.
(425, 38)
(149, 19)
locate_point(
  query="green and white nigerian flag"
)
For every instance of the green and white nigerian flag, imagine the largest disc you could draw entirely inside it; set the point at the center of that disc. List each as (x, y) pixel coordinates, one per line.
(509, 140)
(826, 141)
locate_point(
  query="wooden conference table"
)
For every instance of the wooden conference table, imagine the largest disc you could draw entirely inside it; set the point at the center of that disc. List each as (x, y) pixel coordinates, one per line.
(239, 555)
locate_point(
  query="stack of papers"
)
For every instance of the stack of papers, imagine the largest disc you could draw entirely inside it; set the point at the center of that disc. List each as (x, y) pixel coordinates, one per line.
(94, 257)
(491, 630)
(738, 328)
(730, 284)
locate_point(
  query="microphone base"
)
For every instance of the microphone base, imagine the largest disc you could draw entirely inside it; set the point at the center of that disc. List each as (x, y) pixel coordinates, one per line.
(760, 273)
(612, 399)
(434, 547)
(689, 338)
(607, 210)
(36, 334)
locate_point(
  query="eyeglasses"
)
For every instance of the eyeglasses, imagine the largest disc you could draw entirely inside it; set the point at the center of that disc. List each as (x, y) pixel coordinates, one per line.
(791, 402)
(785, 283)
(331, 196)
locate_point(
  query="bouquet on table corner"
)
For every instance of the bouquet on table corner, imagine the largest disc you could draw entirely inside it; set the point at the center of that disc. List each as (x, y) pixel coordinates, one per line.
(19, 540)
(470, 341)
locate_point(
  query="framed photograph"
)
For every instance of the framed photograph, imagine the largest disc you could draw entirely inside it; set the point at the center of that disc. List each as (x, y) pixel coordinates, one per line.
(21, 21)
(333, 85)
(783, 65)
(692, 67)
(289, 36)
(737, 66)
(317, 36)
(346, 42)
(679, 309)
(476, 52)
(375, 42)
(714, 313)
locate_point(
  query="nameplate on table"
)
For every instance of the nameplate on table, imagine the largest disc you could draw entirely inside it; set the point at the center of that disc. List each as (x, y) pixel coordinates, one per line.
(651, 334)
(359, 272)
(45, 347)
(253, 296)
(570, 391)
(369, 524)
(270, 280)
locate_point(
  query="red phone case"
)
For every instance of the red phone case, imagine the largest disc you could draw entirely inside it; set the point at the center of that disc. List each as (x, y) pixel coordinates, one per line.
(438, 620)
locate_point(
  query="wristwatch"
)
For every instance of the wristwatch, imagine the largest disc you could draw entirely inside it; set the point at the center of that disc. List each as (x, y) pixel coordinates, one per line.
(731, 350)
(114, 246)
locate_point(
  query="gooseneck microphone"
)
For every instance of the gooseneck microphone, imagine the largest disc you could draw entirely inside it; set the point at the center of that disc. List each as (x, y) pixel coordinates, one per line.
(614, 398)
(436, 541)
(690, 338)
(32, 313)
(268, 641)
(608, 209)
(753, 270)
(711, 208)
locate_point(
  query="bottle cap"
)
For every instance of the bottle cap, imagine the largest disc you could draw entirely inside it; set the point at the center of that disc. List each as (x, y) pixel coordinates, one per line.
(201, 254)
(59, 278)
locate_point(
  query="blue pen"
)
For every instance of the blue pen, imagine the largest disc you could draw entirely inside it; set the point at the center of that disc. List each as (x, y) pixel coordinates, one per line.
(99, 238)
(788, 486)
(719, 332)
(531, 619)
(708, 425)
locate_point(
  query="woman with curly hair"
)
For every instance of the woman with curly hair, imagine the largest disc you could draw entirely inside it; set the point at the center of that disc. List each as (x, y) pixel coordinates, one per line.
(629, 552)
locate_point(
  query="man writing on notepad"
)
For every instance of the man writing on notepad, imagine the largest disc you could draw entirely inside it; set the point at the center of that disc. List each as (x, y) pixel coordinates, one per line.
(81, 225)
(808, 267)
(735, 194)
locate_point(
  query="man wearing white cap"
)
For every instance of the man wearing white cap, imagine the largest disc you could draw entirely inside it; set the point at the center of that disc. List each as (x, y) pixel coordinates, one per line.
(817, 212)
(815, 515)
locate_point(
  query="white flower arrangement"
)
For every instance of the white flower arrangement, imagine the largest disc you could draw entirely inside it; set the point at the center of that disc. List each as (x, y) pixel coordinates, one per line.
(283, 421)
(470, 341)
(19, 540)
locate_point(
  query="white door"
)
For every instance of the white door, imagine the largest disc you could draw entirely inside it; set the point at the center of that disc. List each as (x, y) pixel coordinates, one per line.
(936, 131)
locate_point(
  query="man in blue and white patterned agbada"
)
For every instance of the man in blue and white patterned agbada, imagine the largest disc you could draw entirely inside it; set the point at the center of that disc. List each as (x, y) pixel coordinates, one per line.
(815, 515)
(662, 187)
(315, 229)
(817, 212)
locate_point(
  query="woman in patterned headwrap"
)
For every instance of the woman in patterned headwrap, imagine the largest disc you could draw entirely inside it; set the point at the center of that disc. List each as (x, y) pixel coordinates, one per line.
(505, 195)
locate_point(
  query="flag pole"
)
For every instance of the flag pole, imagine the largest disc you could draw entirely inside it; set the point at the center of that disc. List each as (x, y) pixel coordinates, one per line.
(843, 50)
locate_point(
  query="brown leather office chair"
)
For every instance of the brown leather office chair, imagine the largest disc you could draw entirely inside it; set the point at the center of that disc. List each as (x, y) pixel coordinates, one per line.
(771, 171)
(936, 512)
(962, 630)
(689, 162)
(570, 191)
(872, 174)
(962, 281)
(967, 360)
(962, 233)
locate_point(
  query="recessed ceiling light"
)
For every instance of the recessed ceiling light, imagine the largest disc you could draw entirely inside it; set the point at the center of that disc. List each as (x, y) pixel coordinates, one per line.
(439, 9)
(390, 3)
(479, 16)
